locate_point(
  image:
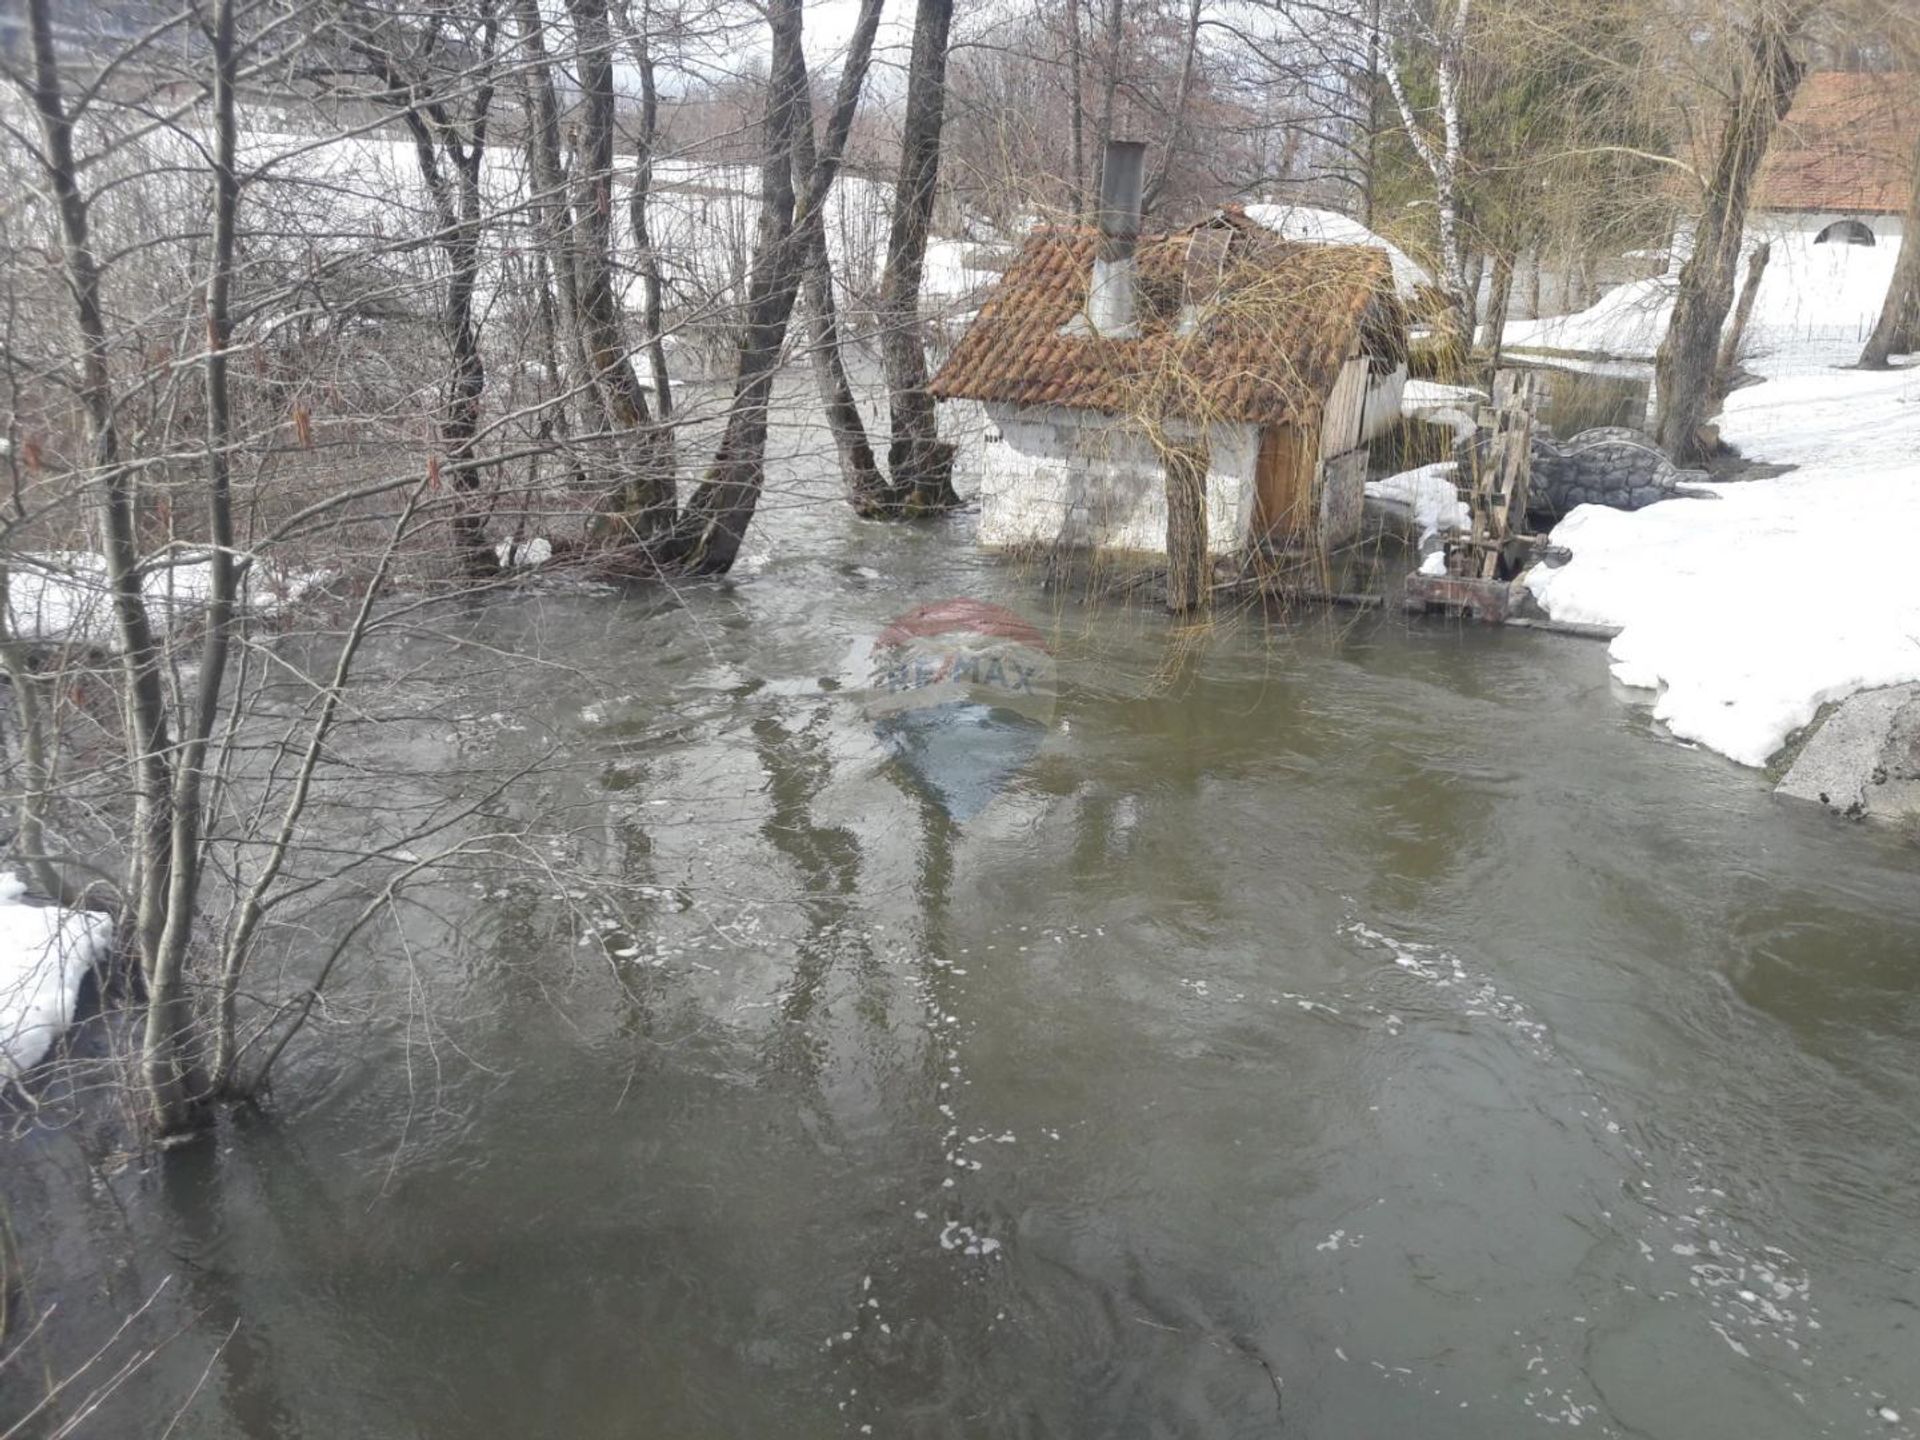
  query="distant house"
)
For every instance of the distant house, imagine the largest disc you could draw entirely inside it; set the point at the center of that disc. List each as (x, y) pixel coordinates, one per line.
(1100, 352)
(1840, 168)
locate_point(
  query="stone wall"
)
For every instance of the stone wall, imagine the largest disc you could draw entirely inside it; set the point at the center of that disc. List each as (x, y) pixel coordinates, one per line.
(1612, 466)
(1059, 478)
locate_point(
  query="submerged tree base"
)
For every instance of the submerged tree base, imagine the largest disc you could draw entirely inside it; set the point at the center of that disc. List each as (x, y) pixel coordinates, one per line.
(921, 486)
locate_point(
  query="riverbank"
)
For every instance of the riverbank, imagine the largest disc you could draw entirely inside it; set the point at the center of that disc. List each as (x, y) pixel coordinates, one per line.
(1747, 612)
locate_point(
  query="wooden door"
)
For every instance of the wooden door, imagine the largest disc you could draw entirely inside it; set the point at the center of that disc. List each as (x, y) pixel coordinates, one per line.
(1283, 485)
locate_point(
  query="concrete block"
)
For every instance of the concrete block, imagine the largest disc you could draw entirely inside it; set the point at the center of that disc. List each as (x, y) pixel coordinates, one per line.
(1864, 760)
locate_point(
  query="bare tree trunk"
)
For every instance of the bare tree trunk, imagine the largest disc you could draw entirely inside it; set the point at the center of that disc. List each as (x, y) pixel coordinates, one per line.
(467, 385)
(1187, 566)
(149, 747)
(921, 467)
(1109, 85)
(648, 499)
(1174, 142)
(1476, 272)
(1893, 334)
(1737, 332)
(457, 203)
(866, 486)
(168, 1026)
(1685, 367)
(549, 203)
(644, 253)
(1076, 109)
(1499, 302)
(556, 240)
(707, 539)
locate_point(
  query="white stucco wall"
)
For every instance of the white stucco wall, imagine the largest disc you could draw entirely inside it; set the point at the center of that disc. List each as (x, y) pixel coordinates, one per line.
(1054, 477)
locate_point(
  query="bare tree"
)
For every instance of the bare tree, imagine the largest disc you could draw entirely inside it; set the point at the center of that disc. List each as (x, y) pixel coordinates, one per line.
(920, 465)
(1765, 75)
(708, 536)
(171, 219)
(1897, 331)
(1076, 109)
(1445, 36)
(646, 256)
(858, 468)
(448, 125)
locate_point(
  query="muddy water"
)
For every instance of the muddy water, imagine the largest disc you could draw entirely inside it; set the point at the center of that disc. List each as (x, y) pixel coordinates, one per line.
(1338, 1029)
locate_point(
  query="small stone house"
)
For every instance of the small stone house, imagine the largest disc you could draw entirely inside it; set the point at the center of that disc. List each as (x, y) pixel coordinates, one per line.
(1101, 354)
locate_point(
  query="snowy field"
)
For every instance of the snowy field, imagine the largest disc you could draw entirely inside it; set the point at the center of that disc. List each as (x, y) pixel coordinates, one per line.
(1745, 613)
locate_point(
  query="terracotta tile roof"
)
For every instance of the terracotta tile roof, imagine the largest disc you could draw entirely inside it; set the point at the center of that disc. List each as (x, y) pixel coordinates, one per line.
(1847, 145)
(1236, 324)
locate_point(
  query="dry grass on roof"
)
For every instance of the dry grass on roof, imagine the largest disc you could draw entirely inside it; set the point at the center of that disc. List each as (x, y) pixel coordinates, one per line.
(1847, 145)
(1235, 326)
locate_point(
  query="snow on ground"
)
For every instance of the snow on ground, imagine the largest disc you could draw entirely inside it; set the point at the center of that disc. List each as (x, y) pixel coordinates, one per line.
(514, 554)
(1429, 493)
(62, 597)
(1748, 611)
(44, 954)
(1441, 404)
(957, 272)
(1328, 227)
(1426, 394)
(1810, 295)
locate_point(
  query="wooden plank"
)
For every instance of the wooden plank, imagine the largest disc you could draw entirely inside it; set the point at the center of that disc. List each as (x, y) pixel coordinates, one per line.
(1346, 409)
(1497, 489)
(1283, 485)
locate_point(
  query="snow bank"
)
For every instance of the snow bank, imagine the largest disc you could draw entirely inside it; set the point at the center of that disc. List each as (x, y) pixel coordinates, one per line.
(957, 272)
(1810, 295)
(62, 597)
(1429, 493)
(44, 954)
(1749, 611)
(1439, 404)
(1329, 227)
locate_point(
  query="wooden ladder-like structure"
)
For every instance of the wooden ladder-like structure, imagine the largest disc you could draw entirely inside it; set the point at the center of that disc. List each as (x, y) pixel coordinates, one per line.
(1496, 492)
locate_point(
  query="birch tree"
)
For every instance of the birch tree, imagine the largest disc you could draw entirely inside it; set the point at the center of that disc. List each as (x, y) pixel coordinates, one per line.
(1444, 36)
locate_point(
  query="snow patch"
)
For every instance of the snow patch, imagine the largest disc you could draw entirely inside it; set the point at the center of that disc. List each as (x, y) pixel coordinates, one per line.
(44, 954)
(63, 596)
(1327, 227)
(1809, 295)
(1429, 492)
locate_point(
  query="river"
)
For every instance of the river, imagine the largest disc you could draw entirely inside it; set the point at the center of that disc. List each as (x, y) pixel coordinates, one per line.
(1341, 1027)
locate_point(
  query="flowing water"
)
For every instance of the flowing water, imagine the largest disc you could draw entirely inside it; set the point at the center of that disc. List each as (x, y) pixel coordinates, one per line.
(1340, 1028)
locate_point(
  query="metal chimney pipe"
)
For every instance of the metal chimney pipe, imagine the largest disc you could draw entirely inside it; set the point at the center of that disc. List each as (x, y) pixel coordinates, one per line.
(1110, 293)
